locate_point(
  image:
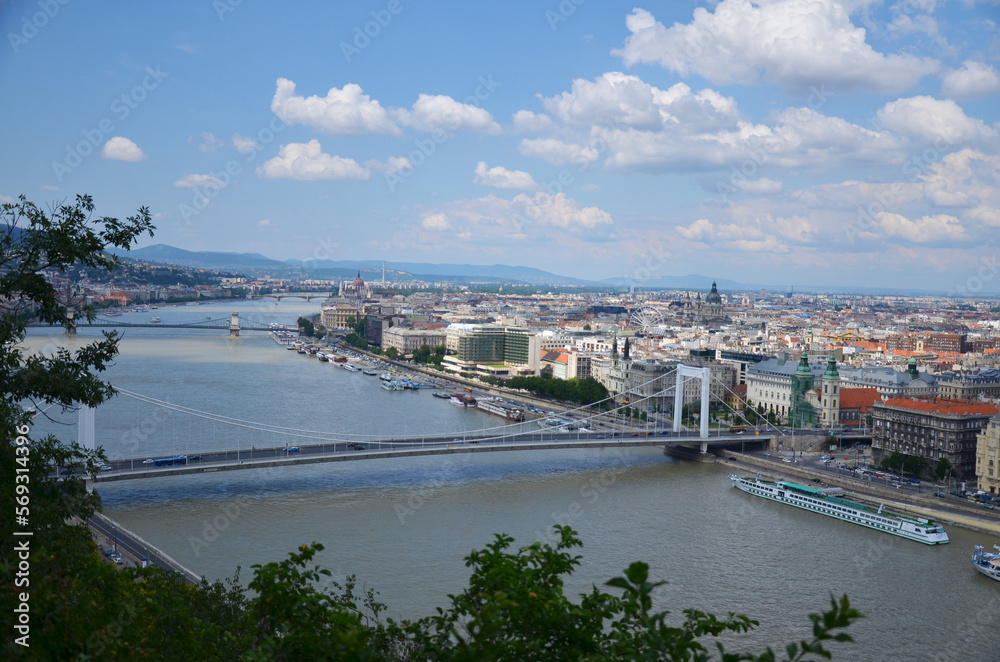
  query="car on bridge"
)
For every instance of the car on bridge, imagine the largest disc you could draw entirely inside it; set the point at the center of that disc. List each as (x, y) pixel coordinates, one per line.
(355, 446)
(293, 449)
(149, 461)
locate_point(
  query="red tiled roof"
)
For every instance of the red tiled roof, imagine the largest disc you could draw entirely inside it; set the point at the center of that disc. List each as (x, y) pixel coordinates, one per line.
(854, 398)
(948, 407)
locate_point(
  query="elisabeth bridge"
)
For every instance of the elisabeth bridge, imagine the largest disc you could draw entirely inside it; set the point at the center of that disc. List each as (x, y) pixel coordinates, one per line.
(257, 445)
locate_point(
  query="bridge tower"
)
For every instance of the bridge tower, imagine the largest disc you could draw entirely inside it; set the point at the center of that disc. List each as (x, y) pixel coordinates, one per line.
(70, 326)
(234, 325)
(705, 375)
(86, 437)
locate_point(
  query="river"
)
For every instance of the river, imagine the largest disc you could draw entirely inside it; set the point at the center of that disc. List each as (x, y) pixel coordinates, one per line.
(404, 525)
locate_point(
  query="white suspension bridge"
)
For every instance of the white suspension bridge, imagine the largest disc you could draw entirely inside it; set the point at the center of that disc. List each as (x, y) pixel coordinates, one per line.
(250, 444)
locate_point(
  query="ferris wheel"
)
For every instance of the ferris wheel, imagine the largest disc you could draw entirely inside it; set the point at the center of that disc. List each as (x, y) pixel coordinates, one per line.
(646, 318)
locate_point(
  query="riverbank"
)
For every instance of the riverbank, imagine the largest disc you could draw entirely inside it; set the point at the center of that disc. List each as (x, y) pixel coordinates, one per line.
(929, 506)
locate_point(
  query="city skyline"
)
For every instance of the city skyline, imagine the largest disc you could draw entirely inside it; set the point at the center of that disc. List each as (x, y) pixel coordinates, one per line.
(787, 142)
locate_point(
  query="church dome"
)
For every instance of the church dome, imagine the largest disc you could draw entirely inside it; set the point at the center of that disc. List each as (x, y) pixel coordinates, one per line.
(358, 283)
(714, 296)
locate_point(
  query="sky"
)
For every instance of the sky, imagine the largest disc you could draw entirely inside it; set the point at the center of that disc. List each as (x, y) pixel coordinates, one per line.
(784, 142)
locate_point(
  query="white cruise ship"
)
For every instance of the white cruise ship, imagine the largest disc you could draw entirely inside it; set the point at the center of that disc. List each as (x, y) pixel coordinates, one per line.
(824, 503)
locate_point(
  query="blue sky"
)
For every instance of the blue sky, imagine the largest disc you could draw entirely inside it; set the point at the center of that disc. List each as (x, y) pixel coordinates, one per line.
(790, 142)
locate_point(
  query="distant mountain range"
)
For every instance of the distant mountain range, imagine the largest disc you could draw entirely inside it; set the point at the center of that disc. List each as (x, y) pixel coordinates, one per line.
(255, 263)
(498, 273)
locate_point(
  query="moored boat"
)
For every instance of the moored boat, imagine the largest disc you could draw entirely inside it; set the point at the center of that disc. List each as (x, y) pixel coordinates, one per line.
(439, 394)
(510, 413)
(987, 563)
(462, 400)
(828, 502)
(392, 385)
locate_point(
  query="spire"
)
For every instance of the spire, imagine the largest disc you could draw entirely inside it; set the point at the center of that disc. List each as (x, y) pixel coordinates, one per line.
(803, 368)
(831, 368)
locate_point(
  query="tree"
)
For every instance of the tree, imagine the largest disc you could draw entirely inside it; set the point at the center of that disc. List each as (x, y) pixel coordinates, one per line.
(943, 469)
(34, 243)
(306, 325)
(392, 352)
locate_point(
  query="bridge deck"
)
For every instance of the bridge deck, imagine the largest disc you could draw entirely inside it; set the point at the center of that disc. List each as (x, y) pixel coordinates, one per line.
(234, 460)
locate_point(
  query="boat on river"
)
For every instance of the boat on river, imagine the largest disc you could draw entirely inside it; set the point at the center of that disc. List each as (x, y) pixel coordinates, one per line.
(393, 385)
(987, 563)
(828, 502)
(512, 414)
(462, 400)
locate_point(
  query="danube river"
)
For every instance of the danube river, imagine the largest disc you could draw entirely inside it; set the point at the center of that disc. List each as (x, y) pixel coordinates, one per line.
(404, 525)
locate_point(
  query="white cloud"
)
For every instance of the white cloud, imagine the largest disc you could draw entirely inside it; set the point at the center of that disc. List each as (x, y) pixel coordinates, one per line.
(621, 100)
(307, 162)
(526, 121)
(966, 178)
(439, 112)
(500, 177)
(122, 149)
(436, 222)
(793, 43)
(245, 143)
(934, 120)
(987, 215)
(940, 227)
(264, 222)
(974, 79)
(390, 165)
(344, 111)
(198, 181)
(558, 210)
(557, 152)
(206, 141)
(698, 230)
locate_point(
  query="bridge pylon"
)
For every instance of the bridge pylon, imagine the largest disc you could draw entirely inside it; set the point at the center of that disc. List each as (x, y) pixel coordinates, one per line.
(234, 325)
(705, 375)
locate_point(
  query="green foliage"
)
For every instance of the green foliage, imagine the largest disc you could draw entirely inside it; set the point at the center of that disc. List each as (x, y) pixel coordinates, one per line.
(308, 328)
(426, 354)
(581, 391)
(943, 469)
(392, 352)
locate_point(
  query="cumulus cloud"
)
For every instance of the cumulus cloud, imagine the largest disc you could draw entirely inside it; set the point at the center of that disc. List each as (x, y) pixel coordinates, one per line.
(198, 181)
(349, 111)
(307, 162)
(245, 143)
(437, 222)
(344, 111)
(526, 121)
(792, 43)
(940, 227)
(557, 152)
(617, 99)
(122, 149)
(973, 79)
(390, 165)
(559, 210)
(440, 112)
(934, 120)
(500, 177)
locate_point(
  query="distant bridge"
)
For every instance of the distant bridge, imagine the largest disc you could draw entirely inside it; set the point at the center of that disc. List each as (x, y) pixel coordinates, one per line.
(261, 458)
(232, 323)
(279, 297)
